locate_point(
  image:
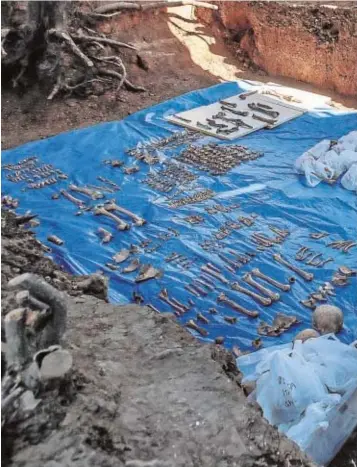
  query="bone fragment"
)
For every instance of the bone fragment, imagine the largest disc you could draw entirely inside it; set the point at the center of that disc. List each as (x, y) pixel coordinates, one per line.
(305, 275)
(224, 299)
(259, 298)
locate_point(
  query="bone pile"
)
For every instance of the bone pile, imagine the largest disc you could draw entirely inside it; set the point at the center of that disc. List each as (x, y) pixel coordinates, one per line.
(217, 159)
(145, 151)
(36, 175)
(168, 178)
(197, 197)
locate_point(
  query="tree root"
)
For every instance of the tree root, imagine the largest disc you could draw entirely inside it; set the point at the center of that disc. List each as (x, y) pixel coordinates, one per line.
(103, 40)
(118, 6)
(89, 64)
(74, 48)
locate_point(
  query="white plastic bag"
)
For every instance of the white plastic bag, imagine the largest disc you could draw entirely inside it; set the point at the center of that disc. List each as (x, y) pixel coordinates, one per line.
(315, 418)
(334, 362)
(288, 388)
(314, 170)
(349, 180)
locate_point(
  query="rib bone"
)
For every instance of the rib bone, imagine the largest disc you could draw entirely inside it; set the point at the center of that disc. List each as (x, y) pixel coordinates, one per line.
(121, 225)
(270, 280)
(249, 280)
(138, 221)
(93, 194)
(224, 299)
(259, 298)
(305, 275)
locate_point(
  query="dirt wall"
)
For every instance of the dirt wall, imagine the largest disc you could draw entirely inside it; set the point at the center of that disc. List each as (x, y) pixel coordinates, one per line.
(312, 43)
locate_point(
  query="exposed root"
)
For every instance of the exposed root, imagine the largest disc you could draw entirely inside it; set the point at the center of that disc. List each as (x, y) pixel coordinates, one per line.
(76, 59)
(73, 47)
(104, 40)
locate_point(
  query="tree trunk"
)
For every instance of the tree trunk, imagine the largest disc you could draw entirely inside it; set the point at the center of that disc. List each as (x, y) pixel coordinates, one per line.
(42, 42)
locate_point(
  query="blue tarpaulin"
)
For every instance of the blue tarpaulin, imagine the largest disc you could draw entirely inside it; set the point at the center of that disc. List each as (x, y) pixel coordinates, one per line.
(267, 186)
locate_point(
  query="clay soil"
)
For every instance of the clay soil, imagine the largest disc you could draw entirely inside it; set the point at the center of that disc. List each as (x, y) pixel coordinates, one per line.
(144, 393)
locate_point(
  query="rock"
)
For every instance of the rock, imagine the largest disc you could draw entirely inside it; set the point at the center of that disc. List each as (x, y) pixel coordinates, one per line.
(56, 364)
(219, 340)
(248, 387)
(306, 334)
(327, 318)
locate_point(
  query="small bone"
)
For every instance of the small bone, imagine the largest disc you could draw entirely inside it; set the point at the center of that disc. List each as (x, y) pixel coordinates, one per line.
(259, 298)
(138, 221)
(122, 256)
(111, 266)
(213, 311)
(305, 275)
(318, 235)
(312, 260)
(133, 266)
(106, 236)
(265, 291)
(121, 225)
(56, 240)
(93, 194)
(224, 299)
(230, 319)
(345, 270)
(192, 325)
(202, 318)
(310, 303)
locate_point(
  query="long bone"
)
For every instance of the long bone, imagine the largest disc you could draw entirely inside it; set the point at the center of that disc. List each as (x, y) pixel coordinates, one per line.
(198, 289)
(263, 119)
(222, 298)
(121, 225)
(73, 199)
(138, 221)
(285, 287)
(259, 298)
(192, 325)
(270, 113)
(229, 261)
(192, 291)
(308, 276)
(235, 112)
(204, 284)
(164, 296)
(265, 291)
(93, 194)
(217, 275)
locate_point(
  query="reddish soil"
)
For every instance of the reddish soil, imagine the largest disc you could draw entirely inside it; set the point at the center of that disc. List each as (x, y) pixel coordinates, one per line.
(312, 43)
(177, 54)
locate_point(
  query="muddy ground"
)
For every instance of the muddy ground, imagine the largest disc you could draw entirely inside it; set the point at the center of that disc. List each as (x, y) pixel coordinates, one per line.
(143, 388)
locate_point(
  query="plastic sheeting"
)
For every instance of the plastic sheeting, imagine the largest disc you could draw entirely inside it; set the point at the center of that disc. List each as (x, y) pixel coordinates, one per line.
(308, 390)
(266, 186)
